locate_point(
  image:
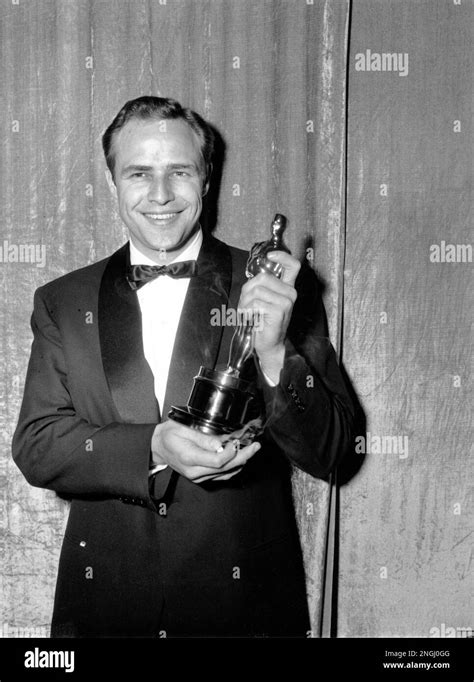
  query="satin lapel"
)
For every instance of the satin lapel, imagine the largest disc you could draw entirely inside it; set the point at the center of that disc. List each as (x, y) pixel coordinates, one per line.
(197, 341)
(120, 328)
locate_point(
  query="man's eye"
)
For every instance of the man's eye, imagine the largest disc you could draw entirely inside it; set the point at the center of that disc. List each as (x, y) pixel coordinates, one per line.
(139, 175)
(181, 174)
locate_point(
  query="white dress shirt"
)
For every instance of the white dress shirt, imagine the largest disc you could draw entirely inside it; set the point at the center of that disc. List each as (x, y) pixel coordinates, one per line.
(161, 303)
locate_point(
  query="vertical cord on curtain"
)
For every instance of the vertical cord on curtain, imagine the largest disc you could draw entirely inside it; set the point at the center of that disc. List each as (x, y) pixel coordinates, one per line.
(328, 623)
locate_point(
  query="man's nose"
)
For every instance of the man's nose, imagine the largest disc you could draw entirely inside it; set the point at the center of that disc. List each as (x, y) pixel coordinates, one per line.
(160, 191)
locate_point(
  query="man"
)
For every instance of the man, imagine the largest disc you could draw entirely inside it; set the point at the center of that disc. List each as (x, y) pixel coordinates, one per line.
(169, 532)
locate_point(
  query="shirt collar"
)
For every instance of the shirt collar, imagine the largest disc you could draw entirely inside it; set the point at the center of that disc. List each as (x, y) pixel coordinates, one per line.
(191, 252)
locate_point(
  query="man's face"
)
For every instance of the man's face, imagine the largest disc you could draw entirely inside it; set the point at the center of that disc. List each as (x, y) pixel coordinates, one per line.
(158, 181)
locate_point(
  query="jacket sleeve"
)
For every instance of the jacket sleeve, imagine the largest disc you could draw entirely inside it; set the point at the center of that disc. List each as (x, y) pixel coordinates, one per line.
(309, 414)
(57, 449)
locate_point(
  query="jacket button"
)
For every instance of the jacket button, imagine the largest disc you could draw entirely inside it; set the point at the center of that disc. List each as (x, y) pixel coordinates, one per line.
(82, 543)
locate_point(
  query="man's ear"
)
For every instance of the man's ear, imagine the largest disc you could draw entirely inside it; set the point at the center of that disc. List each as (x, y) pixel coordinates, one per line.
(111, 183)
(205, 187)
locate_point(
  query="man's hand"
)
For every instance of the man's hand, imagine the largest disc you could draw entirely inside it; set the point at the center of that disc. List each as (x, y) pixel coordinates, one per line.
(273, 300)
(196, 456)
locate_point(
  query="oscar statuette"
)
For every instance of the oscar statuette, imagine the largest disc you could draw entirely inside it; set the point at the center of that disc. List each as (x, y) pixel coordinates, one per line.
(219, 398)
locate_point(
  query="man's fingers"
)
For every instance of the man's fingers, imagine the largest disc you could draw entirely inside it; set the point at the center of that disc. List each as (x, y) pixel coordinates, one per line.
(268, 282)
(203, 459)
(265, 301)
(239, 455)
(194, 456)
(198, 456)
(237, 459)
(291, 266)
(261, 294)
(201, 440)
(267, 310)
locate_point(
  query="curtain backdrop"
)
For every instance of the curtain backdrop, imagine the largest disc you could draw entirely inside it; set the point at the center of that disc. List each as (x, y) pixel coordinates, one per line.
(270, 76)
(406, 518)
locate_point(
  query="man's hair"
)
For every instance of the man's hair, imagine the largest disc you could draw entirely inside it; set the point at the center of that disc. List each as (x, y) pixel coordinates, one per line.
(159, 108)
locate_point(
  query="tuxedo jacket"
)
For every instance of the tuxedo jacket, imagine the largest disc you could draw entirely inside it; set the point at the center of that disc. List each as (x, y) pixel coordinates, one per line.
(163, 556)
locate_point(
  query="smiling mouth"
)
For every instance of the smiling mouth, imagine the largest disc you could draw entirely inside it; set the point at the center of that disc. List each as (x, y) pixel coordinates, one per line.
(161, 217)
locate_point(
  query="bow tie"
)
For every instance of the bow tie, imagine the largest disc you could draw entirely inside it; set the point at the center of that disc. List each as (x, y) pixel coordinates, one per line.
(138, 275)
